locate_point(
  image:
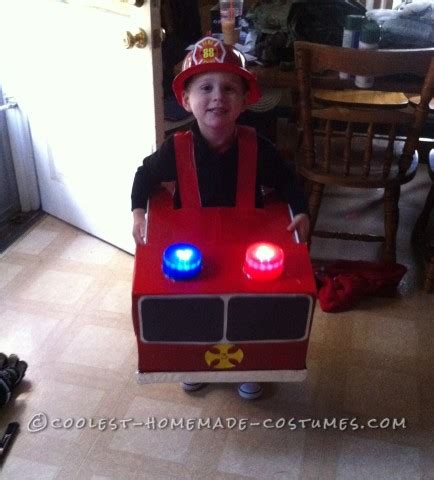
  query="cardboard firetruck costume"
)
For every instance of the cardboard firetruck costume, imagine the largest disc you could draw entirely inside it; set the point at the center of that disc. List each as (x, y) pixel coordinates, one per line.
(234, 301)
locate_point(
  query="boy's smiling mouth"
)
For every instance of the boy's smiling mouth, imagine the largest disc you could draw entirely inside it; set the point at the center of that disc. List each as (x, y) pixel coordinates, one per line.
(217, 110)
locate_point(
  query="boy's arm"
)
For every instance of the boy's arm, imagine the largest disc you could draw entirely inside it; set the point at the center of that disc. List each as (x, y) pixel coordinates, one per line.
(139, 225)
(275, 172)
(158, 167)
(301, 224)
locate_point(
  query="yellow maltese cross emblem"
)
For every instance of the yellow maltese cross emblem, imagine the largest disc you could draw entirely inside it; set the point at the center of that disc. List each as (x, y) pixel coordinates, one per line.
(224, 358)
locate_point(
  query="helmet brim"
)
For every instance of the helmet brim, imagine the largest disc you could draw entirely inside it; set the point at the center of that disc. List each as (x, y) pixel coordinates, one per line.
(253, 93)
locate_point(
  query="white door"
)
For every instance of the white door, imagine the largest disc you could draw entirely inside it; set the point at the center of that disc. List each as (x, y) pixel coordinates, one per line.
(94, 106)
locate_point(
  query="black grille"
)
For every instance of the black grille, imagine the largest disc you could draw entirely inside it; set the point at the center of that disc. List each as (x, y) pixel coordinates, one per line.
(267, 318)
(186, 319)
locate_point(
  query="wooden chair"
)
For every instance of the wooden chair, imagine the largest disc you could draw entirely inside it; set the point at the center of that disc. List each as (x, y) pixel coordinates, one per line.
(351, 149)
(420, 227)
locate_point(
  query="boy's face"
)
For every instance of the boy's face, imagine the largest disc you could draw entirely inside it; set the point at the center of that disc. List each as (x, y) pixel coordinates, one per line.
(216, 99)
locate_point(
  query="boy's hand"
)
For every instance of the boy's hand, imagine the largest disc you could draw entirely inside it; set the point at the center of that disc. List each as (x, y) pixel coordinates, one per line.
(300, 223)
(139, 226)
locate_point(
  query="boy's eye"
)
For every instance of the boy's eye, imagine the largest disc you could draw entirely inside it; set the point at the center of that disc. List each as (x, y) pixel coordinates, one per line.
(206, 87)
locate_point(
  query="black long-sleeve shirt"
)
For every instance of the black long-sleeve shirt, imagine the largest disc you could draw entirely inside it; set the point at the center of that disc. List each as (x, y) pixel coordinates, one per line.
(217, 174)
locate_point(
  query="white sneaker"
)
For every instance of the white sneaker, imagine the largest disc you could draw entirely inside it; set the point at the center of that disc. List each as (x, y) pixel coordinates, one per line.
(250, 391)
(191, 387)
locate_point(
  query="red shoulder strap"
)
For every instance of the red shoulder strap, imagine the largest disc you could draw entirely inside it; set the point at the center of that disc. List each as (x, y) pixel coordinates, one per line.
(247, 160)
(188, 185)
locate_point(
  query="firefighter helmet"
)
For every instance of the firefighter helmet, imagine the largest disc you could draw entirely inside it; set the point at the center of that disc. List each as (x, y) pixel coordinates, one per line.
(211, 55)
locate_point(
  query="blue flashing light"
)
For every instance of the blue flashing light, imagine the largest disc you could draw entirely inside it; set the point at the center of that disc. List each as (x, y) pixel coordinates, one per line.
(182, 261)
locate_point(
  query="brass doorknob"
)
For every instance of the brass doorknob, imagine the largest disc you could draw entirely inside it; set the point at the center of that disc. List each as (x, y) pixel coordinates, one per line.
(138, 39)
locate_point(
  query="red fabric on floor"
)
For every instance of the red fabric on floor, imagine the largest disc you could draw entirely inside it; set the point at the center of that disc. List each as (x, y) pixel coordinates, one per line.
(345, 282)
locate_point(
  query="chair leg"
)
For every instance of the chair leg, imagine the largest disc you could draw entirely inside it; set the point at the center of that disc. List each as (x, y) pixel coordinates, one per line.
(307, 185)
(423, 218)
(429, 275)
(315, 198)
(391, 220)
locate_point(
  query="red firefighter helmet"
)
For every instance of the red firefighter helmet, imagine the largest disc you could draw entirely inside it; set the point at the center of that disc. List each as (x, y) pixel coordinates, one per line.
(211, 55)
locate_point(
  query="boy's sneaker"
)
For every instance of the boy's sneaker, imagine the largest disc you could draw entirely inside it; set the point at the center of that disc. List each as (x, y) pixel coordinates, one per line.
(250, 391)
(191, 387)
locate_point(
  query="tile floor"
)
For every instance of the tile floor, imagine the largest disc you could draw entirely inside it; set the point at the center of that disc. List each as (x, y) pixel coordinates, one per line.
(65, 308)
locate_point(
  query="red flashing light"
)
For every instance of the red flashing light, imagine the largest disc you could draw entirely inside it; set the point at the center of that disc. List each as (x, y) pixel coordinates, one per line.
(264, 261)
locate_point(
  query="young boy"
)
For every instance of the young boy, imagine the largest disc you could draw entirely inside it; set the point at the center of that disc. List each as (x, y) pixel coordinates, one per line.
(215, 86)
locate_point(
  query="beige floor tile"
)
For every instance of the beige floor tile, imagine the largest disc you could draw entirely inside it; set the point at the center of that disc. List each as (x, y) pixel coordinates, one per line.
(57, 287)
(392, 336)
(54, 408)
(382, 393)
(105, 470)
(365, 459)
(162, 442)
(54, 224)
(21, 469)
(298, 393)
(407, 306)
(52, 450)
(99, 347)
(34, 242)
(143, 475)
(88, 250)
(24, 332)
(261, 453)
(117, 298)
(330, 330)
(8, 271)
